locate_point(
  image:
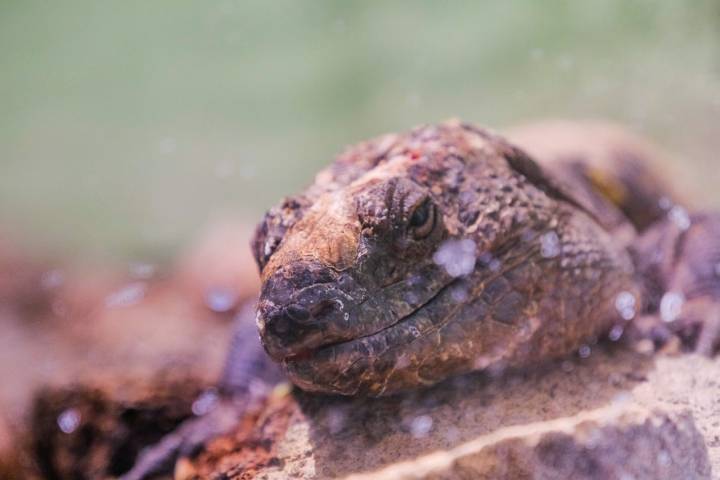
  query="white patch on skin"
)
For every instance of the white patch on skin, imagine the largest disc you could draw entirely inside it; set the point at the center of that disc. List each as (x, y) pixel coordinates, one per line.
(457, 257)
(550, 245)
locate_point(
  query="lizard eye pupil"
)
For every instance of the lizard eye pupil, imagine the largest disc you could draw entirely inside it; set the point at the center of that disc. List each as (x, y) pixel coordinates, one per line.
(420, 215)
(422, 220)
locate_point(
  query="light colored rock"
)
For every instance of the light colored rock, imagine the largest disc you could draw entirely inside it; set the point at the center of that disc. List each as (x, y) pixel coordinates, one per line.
(609, 443)
(638, 412)
(687, 383)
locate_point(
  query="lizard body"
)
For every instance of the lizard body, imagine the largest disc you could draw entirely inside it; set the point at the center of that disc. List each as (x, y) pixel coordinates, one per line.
(361, 297)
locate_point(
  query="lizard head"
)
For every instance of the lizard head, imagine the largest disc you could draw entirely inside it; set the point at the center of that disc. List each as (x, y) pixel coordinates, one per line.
(373, 279)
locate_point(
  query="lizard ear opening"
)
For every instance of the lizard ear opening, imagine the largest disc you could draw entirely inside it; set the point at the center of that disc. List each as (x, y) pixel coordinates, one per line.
(271, 230)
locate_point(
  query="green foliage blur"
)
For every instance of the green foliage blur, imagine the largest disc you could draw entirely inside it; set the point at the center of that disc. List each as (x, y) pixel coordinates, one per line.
(125, 126)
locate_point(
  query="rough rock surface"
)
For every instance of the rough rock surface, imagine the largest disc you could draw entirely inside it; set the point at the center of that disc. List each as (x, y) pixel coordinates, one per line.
(617, 414)
(96, 430)
(602, 444)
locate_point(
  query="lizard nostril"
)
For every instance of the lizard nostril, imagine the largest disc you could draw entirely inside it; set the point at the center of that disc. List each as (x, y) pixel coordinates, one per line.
(280, 325)
(297, 312)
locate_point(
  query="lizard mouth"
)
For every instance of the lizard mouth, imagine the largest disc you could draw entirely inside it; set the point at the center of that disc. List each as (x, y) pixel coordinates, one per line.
(323, 351)
(306, 312)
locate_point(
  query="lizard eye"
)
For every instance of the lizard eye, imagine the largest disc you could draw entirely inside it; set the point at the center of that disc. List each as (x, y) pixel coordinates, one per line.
(422, 220)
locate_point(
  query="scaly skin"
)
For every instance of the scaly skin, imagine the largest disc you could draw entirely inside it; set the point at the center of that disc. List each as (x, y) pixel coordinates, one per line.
(354, 302)
(607, 169)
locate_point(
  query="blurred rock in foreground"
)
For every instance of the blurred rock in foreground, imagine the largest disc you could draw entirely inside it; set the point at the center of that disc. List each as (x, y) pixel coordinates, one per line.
(97, 362)
(616, 415)
(97, 430)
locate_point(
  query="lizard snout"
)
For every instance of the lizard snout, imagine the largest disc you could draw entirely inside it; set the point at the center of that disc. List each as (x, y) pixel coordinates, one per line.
(302, 308)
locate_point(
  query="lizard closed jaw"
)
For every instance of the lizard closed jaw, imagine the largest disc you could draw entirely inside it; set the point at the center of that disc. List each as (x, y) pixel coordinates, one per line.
(305, 306)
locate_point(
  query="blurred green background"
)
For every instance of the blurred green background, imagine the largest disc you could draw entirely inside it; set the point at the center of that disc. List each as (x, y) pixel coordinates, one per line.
(126, 126)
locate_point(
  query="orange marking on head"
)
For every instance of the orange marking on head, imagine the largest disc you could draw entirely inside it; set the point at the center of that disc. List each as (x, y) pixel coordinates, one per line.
(328, 233)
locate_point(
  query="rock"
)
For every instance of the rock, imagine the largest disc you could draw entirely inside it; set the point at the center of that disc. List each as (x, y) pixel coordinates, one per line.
(96, 430)
(602, 444)
(97, 342)
(586, 418)
(80, 338)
